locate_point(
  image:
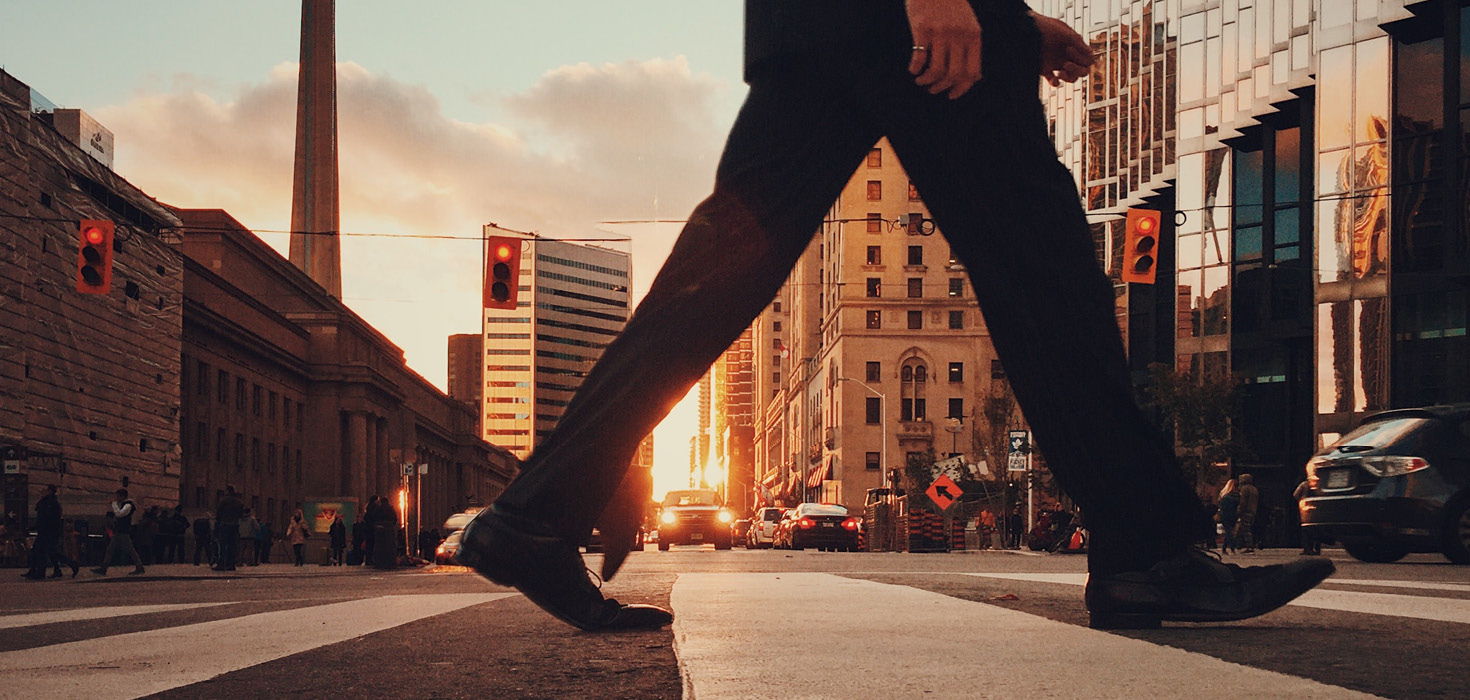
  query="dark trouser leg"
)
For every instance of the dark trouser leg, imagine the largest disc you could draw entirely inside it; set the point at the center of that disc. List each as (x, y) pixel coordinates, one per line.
(790, 152)
(989, 173)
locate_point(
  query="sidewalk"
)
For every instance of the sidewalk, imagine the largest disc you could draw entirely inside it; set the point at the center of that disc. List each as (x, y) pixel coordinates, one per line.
(184, 572)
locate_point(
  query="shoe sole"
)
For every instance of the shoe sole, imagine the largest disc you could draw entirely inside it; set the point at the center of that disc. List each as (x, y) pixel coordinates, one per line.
(1141, 621)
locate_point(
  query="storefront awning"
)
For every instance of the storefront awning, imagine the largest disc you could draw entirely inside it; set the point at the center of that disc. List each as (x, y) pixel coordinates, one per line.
(820, 473)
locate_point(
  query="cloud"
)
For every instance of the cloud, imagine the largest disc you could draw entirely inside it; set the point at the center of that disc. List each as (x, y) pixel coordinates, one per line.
(585, 143)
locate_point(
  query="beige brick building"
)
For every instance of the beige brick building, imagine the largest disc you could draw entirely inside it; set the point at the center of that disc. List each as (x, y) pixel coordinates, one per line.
(873, 351)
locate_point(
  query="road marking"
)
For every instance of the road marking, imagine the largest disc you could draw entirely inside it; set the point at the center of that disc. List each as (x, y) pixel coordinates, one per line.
(152, 661)
(75, 614)
(828, 636)
(1387, 583)
(1394, 604)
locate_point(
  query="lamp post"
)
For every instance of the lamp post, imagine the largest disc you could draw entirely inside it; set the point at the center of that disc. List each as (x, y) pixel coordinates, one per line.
(882, 424)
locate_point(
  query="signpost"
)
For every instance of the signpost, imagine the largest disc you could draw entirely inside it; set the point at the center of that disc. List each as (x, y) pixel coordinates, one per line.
(944, 492)
(1018, 459)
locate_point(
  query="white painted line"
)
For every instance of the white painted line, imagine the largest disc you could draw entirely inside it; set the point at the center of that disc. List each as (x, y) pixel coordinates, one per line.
(1396, 605)
(75, 614)
(1386, 583)
(142, 663)
(827, 636)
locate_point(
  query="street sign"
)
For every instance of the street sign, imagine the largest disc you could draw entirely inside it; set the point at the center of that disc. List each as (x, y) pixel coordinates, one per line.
(408, 468)
(424, 468)
(944, 492)
(12, 456)
(1018, 451)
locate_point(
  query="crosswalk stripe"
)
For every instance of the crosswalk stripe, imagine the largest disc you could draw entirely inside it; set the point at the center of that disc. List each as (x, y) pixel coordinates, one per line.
(1397, 605)
(141, 663)
(76, 614)
(827, 636)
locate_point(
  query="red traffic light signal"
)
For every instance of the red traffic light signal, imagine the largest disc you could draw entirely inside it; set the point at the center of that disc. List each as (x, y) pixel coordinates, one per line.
(1141, 246)
(94, 256)
(502, 272)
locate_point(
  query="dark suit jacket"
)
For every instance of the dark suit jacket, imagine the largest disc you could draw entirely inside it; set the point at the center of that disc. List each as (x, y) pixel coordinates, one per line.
(778, 32)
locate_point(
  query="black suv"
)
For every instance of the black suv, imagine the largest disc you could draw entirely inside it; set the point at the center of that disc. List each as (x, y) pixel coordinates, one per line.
(694, 516)
(1399, 483)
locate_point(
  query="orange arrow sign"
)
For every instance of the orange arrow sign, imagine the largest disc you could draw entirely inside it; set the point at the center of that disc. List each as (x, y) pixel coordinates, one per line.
(944, 492)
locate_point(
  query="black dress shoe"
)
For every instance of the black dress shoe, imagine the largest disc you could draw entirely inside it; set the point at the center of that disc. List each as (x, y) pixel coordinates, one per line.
(546, 568)
(1197, 587)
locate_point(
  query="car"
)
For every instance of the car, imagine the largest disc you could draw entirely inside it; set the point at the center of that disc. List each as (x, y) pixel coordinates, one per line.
(444, 553)
(781, 540)
(738, 531)
(459, 520)
(762, 531)
(694, 516)
(825, 526)
(1398, 483)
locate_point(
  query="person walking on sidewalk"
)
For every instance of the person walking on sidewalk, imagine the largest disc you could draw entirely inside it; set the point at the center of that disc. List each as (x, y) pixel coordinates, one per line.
(264, 539)
(227, 515)
(1245, 521)
(120, 514)
(828, 79)
(203, 545)
(249, 528)
(47, 550)
(337, 533)
(1228, 514)
(296, 534)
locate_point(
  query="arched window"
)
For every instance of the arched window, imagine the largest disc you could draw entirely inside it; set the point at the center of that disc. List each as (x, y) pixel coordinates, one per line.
(913, 378)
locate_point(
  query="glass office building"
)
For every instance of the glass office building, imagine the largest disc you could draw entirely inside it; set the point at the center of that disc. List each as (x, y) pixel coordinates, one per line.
(1314, 155)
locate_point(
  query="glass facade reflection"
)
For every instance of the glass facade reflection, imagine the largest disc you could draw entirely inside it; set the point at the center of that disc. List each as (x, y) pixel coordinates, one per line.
(1316, 157)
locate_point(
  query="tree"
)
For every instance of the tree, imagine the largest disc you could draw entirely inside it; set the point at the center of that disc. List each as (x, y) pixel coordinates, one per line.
(1198, 409)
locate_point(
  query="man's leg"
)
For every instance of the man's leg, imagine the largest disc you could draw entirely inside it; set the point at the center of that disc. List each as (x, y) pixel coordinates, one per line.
(793, 147)
(989, 173)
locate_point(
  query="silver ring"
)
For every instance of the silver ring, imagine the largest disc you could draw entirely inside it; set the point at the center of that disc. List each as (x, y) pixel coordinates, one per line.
(920, 48)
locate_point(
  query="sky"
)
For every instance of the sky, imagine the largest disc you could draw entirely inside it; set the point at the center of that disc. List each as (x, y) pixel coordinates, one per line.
(538, 116)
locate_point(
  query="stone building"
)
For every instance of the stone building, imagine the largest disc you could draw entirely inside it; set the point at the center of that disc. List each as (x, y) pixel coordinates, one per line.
(89, 386)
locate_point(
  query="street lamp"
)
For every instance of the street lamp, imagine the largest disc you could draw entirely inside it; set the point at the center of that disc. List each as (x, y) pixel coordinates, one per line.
(882, 424)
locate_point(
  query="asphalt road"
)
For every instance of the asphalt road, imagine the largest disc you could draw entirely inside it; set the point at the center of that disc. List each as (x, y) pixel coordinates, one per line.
(748, 624)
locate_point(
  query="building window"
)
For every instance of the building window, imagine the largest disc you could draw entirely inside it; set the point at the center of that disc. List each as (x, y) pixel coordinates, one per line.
(956, 408)
(255, 454)
(202, 379)
(872, 371)
(776, 326)
(957, 371)
(222, 386)
(870, 461)
(913, 192)
(776, 343)
(285, 460)
(874, 287)
(255, 396)
(272, 405)
(996, 370)
(875, 255)
(219, 445)
(298, 466)
(239, 452)
(875, 190)
(956, 287)
(913, 378)
(915, 287)
(239, 394)
(270, 457)
(874, 319)
(916, 320)
(915, 225)
(285, 412)
(776, 360)
(875, 158)
(201, 439)
(956, 320)
(916, 255)
(775, 377)
(873, 410)
(875, 224)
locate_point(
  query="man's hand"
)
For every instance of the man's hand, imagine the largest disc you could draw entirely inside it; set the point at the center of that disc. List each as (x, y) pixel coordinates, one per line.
(1065, 55)
(946, 54)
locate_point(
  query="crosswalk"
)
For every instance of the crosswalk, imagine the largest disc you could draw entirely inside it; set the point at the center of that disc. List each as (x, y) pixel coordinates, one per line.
(746, 635)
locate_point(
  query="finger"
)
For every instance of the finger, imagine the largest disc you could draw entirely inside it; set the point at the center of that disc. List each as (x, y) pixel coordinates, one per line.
(919, 58)
(969, 70)
(938, 68)
(1080, 53)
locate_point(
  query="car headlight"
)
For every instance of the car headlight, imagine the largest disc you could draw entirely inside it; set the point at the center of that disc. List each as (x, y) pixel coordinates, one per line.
(1393, 466)
(668, 518)
(725, 516)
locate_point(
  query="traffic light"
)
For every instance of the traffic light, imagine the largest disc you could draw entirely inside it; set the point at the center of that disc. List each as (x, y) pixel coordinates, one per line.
(1141, 246)
(502, 272)
(94, 256)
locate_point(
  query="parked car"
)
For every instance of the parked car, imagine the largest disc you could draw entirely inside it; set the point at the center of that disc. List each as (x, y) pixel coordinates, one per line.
(762, 531)
(694, 516)
(739, 530)
(1399, 483)
(459, 520)
(784, 523)
(825, 526)
(444, 553)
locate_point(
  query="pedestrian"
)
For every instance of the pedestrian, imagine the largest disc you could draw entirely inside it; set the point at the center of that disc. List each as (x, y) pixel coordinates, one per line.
(1311, 546)
(203, 546)
(1015, 525)
(120, 516)
(829, 78)
(47, 552)
(337, 533)
(178, 526)
(1245, 521)
(264, 539)
(296, 535)
(227, 516)
(248, 529)
(361, 538)
(1227, 514)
